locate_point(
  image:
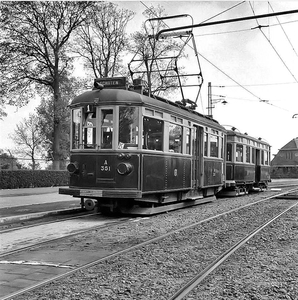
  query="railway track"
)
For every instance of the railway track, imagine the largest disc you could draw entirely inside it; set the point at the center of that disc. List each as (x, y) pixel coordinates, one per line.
(99, 255)
(196, 280)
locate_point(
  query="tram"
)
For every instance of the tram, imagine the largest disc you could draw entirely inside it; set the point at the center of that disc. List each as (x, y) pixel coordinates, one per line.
(137, 154)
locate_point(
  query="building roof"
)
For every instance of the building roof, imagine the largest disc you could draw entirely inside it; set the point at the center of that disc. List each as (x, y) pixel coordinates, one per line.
(287, 155)
(292, 145)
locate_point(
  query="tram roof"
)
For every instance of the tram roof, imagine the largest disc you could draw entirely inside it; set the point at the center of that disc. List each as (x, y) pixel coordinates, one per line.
(246, 136)
(120, 96)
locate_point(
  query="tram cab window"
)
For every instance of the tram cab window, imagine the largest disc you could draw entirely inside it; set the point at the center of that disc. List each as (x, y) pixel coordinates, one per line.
(229, 151)
(76, 128)
(175, 138)
(152, 134)
(106, 128)
(239, 153)
(214, 143)
(128, 127)
(89, 128)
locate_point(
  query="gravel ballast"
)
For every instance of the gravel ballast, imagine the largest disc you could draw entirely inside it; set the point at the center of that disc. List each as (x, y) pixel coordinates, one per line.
(157, 270)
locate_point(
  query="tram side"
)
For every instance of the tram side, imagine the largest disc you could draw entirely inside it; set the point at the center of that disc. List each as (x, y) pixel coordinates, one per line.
(136, 154)
(247, 164)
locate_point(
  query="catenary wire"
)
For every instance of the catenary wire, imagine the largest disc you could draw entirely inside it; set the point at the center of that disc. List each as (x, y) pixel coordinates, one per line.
(260, 27)
(240, 30)
(283, 30)
(237, 83)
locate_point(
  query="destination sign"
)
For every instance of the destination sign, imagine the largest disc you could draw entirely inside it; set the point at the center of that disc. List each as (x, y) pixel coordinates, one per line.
(112, 82)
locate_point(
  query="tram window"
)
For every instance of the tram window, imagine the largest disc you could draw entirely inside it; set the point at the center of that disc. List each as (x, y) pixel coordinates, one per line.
(205, 144)
(89, 130)
(187, 132)
(239, 153)
(106, 128)
(253, 156)
(214, 141)
(262, 157)
(76, 131)
(266, 158)
(152, 134)
(175, 138)
(229, 151)
(128, 127)
(247, 154)
(221, 148)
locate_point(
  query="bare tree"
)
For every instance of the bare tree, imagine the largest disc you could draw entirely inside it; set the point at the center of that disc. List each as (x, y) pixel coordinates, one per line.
(28, 140)
(35, 52)
(69, 88)
(154, 61)
(101, 43)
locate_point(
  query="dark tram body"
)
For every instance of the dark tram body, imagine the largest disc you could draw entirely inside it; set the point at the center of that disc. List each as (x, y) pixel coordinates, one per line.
(247, 164)
(133, 153)
(136, 154)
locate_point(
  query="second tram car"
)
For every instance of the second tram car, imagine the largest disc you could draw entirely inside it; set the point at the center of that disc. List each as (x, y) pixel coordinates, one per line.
(137, 154)
(247, 164)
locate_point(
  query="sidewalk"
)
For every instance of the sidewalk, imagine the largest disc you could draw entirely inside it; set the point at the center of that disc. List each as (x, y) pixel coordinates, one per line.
(29, 191)
(24, 204)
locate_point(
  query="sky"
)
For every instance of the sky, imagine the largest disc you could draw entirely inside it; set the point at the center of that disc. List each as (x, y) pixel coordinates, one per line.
(258, 69)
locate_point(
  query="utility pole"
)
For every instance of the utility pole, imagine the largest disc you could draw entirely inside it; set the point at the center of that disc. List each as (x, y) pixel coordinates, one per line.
(209, 101)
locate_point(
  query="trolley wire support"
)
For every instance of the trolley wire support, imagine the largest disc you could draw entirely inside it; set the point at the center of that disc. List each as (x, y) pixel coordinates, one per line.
(166, 67)
(163, 31)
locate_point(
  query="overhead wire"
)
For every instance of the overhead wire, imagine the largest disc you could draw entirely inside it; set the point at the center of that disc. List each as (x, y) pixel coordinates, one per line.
(283, 30)
(260, 27)
(223, 11)
(241, 30)
(237, 83)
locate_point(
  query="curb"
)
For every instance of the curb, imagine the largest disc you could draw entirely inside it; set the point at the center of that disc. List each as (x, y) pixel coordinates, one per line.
(37, 215)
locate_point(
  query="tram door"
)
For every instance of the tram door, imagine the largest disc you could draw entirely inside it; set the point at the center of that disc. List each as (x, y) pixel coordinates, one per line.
(258, 166)
(197, 157)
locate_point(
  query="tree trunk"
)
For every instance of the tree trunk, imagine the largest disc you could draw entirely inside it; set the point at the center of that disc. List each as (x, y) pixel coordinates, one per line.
(57, 124)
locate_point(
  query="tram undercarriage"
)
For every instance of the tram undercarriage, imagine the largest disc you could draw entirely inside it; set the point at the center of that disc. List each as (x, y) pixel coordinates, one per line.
(149, 204)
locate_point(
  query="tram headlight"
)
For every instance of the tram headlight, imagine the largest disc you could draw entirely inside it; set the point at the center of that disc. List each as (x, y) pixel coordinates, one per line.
(73, 167)
(124, 168)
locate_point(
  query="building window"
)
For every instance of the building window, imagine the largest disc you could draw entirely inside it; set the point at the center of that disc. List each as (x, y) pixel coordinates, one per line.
(175, 138)
(152, 134)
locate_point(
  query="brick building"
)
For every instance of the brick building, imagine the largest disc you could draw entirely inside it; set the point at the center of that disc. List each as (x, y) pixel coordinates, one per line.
(285, 162)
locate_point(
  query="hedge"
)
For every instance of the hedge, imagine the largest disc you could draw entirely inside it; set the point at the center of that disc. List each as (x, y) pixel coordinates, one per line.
(28, 178)
(284, 172)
